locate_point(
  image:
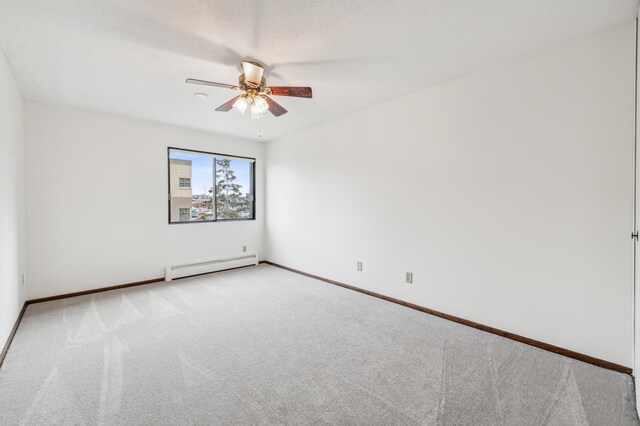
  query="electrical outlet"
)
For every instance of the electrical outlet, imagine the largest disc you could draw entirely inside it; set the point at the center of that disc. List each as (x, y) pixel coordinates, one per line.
(409, 277)
(244, 249)
(359, 266)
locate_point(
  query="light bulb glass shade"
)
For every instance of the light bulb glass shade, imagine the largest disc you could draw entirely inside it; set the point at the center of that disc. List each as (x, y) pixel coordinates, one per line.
(259, 107)
(241, 104)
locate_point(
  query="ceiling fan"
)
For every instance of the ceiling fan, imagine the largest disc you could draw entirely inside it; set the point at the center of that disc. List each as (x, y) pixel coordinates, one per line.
(256, 92)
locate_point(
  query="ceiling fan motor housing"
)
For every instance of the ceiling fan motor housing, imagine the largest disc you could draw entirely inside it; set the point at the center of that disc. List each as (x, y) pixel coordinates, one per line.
(253, 73)
(248, 85)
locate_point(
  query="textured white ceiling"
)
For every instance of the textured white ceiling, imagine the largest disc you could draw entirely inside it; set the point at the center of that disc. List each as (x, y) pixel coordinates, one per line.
(131, 57)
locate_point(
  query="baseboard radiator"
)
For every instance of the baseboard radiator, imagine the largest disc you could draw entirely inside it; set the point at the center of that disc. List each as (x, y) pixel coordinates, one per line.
(189, 269)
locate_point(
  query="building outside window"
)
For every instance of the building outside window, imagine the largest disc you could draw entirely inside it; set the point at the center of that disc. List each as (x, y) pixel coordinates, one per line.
(179, 170)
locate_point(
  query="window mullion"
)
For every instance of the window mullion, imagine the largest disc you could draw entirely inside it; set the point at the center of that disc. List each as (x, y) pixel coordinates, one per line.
(214, 199)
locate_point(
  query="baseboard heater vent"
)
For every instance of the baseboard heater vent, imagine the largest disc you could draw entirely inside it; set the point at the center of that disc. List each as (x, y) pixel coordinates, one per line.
(189, 269)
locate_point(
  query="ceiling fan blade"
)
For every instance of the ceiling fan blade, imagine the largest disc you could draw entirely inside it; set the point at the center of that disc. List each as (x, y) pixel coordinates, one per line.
(274, 107)
(228, 105)
(299, 92)
(211, 83)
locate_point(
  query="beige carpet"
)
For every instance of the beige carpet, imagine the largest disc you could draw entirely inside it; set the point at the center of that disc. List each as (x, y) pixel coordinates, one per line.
(261, 345)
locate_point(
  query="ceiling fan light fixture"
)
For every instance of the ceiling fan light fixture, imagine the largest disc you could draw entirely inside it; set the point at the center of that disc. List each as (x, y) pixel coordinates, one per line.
(259, 107)
(241, 104)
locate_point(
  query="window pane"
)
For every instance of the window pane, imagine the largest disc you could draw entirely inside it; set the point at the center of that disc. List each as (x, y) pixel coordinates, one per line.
(190, 186)
(234, 192)
(193, 175)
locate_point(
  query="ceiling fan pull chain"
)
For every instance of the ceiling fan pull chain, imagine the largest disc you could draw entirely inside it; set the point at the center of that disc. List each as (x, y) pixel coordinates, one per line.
(259, 127)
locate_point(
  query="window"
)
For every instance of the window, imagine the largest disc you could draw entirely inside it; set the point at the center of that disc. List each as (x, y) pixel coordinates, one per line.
(193, 175)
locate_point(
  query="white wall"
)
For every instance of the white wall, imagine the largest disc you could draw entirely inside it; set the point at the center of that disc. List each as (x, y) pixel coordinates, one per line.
(12, 241)
(97, 200)
(508, 194)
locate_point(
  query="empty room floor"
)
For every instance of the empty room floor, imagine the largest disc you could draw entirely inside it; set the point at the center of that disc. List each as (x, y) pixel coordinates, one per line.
(261, 345)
